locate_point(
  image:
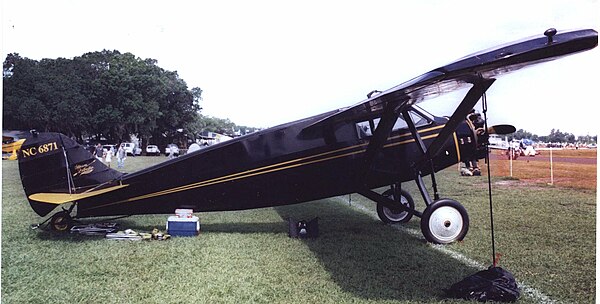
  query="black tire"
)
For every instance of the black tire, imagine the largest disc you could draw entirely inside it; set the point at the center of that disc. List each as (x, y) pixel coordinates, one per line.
(61, 221)
(390, 216)
(444, 222)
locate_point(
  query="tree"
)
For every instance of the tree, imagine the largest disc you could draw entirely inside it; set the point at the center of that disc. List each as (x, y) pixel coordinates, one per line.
(106, 94)
(562, 137)
(212, 124)
(587, 139)
(520, 134)
(43, 95)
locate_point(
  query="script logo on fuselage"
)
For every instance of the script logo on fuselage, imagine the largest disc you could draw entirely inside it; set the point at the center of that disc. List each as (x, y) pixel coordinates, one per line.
(83, 169)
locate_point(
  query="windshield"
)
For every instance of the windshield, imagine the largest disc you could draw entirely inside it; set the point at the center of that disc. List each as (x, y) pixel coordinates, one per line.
(366, 128)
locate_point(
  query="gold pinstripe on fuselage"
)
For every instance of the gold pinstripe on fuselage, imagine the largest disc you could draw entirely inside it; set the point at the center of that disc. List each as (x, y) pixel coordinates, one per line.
(302, 161)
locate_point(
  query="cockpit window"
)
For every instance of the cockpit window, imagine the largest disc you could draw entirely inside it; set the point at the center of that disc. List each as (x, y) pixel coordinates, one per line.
(366, 128)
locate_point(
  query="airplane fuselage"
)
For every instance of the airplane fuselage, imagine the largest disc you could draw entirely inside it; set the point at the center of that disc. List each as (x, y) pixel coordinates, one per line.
(277, 166)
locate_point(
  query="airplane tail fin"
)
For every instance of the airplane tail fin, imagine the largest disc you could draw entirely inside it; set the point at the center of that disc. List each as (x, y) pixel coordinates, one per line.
(54, 163)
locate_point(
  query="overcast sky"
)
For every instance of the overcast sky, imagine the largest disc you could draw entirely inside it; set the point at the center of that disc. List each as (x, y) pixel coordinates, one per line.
(263, 63)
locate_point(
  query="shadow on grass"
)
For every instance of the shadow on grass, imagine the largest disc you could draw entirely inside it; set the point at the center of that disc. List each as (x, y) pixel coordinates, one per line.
(136, 223)
(141, 224)
(228, 227)
(373, 261)
(275, 228)
(146, 225)
(365, 258)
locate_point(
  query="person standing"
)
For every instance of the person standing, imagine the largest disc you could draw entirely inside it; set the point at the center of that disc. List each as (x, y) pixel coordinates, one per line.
(109, 155)
(171, 152)
(121, 154)
(99, 152)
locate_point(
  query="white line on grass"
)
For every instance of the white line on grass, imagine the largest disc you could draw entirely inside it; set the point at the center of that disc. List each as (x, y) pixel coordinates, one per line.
(527, 290)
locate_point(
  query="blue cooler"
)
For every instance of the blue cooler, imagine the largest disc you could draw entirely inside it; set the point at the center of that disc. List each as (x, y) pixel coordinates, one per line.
(183, 226)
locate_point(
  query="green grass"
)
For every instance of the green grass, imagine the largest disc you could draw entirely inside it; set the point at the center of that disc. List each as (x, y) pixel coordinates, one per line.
(546, 236)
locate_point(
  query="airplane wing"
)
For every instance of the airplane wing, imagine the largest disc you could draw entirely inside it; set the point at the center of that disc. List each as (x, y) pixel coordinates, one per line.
(468, 70)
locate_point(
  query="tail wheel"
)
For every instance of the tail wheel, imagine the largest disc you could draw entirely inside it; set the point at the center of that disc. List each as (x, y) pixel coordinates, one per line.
(445, 221)
(393, 216)
(61, 221)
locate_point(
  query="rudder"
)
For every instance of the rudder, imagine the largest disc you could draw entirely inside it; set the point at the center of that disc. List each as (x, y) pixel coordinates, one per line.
(54, 163)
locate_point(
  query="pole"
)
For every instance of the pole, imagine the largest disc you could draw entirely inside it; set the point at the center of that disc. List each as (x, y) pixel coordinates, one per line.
(551, 169)
(489, 173)
(511, 164)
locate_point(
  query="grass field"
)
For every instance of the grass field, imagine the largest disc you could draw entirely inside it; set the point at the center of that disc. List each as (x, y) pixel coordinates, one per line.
(546, 236)
(571, 168)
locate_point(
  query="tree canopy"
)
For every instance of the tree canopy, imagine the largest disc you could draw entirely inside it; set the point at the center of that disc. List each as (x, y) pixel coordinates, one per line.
(107, 94)
(555, 136)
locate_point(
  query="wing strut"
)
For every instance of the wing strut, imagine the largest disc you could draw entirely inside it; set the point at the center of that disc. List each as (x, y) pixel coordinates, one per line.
(480, 86)
(380, 136)
(391, 111)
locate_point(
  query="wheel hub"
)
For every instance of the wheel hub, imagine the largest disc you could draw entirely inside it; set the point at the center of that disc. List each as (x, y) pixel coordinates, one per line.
(446, 223)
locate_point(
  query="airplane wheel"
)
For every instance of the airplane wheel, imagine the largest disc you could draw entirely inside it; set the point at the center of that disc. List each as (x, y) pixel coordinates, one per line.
(61, 221)
(390, 216)
(445, 221)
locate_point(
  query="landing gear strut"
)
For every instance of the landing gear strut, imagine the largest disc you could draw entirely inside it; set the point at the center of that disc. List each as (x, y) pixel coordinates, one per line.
(444, 221)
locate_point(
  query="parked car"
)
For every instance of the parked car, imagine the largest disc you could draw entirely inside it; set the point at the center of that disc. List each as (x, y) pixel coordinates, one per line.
(152, 150)
(172, 147)
(132, 149)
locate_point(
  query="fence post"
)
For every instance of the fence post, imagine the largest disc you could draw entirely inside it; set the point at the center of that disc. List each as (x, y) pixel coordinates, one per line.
(511, 162)
(551, 169)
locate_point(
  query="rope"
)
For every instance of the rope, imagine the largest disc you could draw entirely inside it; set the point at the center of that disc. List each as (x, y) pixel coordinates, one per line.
(487, 160)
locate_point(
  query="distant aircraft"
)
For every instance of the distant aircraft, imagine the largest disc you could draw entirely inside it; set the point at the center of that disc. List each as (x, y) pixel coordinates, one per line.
(497, 142)
(513, 149)
(385, 140)
(211, 138)
(527, 149)
(11, 143)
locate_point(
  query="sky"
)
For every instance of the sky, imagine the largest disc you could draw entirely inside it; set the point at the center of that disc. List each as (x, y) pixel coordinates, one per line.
(264, 63)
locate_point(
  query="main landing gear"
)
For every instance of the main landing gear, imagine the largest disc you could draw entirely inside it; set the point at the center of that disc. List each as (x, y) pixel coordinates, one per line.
(61, 221)
(396, 215)
(443, 221)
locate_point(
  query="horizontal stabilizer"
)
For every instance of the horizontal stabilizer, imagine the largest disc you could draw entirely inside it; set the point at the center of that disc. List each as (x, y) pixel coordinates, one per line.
(502, 129)
(61, 198)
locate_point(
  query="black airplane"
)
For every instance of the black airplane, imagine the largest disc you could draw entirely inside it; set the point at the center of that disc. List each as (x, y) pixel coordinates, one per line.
(385, 140)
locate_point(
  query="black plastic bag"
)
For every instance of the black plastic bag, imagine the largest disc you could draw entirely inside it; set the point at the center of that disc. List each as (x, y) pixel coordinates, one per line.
(492, 284)
(303, 229)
